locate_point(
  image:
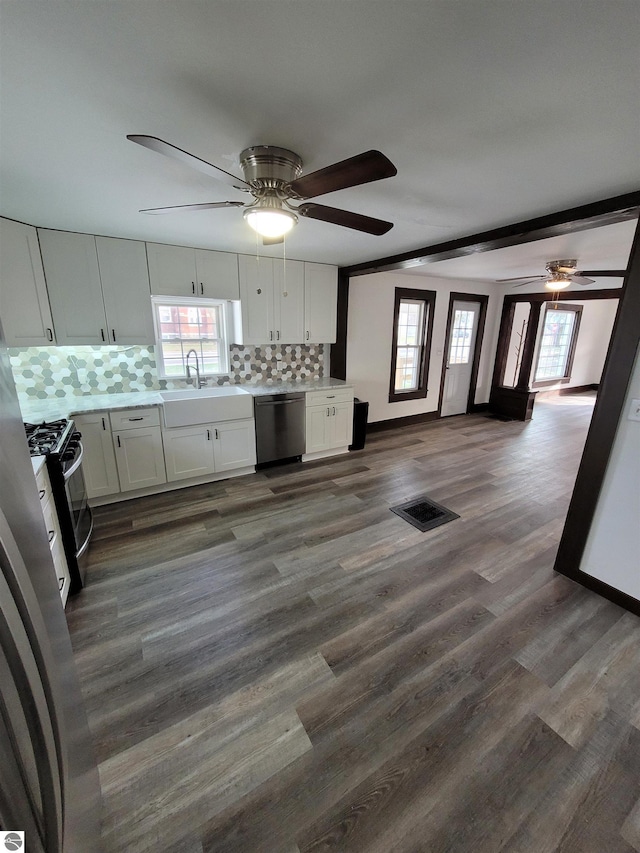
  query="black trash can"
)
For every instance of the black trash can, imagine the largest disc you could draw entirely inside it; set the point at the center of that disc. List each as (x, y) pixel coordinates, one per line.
(360, 416)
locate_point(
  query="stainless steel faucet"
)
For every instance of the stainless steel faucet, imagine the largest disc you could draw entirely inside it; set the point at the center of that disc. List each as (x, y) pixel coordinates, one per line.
(196, 368)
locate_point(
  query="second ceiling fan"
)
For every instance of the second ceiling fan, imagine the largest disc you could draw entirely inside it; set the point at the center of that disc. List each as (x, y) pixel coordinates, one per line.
(561, 274)
(273, 177)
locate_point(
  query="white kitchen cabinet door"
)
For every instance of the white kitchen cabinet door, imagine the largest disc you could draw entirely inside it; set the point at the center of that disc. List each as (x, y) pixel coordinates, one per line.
(317, 428)
(172, 270)
(98, 461)
(342, 424)
(320, 303)
(140, 458)
(234, 444)
(288, 301)
(217, 275)
(24, 303)
(75, 293)
(188, 452)
(256, 295)
(125, 290)
(328, 426)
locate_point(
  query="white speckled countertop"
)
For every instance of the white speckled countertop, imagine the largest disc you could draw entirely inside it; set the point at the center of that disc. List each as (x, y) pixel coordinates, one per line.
(34, 411)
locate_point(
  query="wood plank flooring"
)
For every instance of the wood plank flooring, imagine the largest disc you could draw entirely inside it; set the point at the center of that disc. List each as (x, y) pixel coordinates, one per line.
(279, 664)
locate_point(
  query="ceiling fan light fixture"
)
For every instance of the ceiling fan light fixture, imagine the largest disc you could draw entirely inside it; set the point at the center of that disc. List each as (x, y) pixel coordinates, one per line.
(269, 218)
(558, 281)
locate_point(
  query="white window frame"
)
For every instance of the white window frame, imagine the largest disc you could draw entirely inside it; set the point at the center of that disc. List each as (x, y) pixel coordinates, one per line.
(193, 302)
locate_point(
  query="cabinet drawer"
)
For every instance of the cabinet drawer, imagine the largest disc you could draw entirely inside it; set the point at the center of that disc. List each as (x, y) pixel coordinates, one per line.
(135, 418)
(329, 397)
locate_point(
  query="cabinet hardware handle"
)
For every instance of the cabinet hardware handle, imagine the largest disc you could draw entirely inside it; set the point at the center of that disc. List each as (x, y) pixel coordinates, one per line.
(201, 289)
(328, 411)
(270, 336)
(193, 287)
(277, 336)
(102, 334)
(334, 411)
(217, 436)
(135, 419)
(60, 584)
(331, 396)
(118, 439)
(208, 435)
(307, 335)
(104, 426)
(113, 335)
(52, 533)
(49, 334)
(42, 493)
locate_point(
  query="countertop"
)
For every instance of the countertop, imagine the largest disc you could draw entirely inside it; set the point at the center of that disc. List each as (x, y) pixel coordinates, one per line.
(53, 408)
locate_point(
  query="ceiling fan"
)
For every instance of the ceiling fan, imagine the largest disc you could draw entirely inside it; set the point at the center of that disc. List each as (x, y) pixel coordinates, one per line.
(272, 175)
(561, 274)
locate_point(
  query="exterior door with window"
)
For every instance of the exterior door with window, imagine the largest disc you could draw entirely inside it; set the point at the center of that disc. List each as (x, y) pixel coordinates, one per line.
(460, 351)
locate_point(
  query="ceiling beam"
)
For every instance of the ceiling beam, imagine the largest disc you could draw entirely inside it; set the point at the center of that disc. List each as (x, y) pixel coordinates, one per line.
(594, 215)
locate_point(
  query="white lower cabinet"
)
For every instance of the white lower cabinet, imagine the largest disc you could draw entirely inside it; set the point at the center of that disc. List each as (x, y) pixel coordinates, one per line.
(54, 535)
(188, 452)
(137, 442)
(139, 458)
(99, 459)
(234, 444)
(210, 448)
(329, 420)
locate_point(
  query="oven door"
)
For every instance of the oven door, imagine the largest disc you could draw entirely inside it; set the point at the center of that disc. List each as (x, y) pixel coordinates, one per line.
(79, 509)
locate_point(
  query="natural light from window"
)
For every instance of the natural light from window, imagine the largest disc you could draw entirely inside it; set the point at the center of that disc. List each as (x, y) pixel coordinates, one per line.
(410, 340)
(461, 330)
(555, 345)
(184, 325)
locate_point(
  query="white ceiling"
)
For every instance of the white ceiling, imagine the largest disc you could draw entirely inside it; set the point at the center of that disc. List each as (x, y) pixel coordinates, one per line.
(493, 112)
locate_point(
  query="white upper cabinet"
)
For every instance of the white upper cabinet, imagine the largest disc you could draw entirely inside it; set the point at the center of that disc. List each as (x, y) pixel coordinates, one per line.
(125, 289)
(73, 281)
(24, 304)
(288, 301)
(217, 275)
(272, 296)
(320, 303)
(180, 271)
(98, 288)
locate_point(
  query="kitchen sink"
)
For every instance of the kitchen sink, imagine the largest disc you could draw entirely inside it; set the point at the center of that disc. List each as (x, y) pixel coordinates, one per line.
(206, 405)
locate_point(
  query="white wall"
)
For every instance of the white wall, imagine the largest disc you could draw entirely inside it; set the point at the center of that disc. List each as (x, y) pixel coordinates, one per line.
(612, 553)
(370, 335)
(594, 335)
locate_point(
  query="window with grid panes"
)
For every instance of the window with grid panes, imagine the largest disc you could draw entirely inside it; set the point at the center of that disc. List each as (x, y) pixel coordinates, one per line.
(190, 324)
(413, 321)
(557, 344)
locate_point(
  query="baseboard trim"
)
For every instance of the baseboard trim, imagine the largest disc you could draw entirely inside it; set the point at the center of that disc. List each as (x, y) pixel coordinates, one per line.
(622, 599)
(562, 392)
(409, 420)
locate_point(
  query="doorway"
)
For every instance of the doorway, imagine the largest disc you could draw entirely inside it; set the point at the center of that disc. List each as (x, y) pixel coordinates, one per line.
(463, 342)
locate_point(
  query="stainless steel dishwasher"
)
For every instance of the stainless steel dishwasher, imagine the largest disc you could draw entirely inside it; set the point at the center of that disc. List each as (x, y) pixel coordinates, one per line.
(280, 432)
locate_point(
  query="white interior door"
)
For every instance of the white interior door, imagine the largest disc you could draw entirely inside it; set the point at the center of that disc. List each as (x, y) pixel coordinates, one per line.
(462, 341)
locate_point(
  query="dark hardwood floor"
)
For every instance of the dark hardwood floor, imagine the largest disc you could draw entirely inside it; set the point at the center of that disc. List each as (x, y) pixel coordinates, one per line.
(278, 663)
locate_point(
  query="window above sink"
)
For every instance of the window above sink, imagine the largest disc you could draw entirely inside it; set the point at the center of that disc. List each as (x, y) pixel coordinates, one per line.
(183, 324)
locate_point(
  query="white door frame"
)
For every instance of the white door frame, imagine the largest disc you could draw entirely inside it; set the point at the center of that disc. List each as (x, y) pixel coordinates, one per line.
(482, 300)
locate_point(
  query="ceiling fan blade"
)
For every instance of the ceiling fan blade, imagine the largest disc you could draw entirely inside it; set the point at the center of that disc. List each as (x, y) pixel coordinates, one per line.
(605, 273)
(183, 208)
(527, 279)
(162, 147)
(361, 169)
(580, 279)
(271, 241)
(345, 218)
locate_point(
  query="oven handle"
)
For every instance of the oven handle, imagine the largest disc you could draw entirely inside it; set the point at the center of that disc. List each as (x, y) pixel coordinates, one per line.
(76, 464)
(84, 545)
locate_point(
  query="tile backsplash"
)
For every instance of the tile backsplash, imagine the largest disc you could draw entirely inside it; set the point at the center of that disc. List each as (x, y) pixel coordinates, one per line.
(44, 372)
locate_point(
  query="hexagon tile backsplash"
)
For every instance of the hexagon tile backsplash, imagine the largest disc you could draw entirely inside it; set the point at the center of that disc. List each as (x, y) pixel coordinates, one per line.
(43, 372)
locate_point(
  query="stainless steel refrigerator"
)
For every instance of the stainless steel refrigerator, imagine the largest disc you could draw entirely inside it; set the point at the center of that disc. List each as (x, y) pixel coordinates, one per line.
(49, 785)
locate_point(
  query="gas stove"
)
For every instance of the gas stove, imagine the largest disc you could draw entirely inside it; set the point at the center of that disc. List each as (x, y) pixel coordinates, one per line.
(56, 438)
